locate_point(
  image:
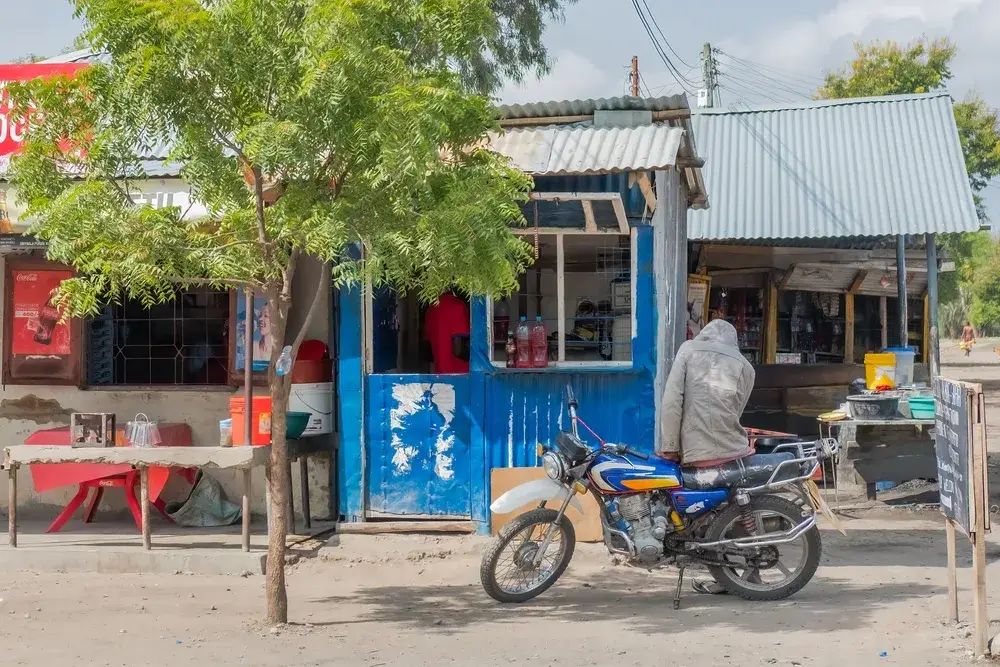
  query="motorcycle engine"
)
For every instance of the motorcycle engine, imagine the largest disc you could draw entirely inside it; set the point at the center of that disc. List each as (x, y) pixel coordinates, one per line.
(646, 516)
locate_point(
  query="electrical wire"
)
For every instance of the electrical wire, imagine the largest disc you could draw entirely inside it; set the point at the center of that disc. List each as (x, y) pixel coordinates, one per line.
(762, 91)
(763, 80)
(805, 79)
(642, 83)
(665, 40)
(671, 67)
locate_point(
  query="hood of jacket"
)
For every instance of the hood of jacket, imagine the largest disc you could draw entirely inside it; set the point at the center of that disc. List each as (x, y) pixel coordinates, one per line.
(720, 332)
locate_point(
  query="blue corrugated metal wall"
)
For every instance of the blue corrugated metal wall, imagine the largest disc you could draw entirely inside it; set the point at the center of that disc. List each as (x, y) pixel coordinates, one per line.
(419, 455)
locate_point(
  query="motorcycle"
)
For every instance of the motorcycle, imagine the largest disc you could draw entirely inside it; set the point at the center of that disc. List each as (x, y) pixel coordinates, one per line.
(751, 522)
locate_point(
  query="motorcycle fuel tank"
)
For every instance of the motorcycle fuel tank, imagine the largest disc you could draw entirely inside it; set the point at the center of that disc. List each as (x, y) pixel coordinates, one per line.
(628, 474)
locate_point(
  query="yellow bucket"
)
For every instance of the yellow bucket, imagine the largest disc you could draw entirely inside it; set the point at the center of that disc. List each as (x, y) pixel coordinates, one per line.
(878, 365)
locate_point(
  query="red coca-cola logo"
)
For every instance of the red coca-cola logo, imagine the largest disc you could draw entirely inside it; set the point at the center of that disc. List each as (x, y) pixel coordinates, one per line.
(27, 278)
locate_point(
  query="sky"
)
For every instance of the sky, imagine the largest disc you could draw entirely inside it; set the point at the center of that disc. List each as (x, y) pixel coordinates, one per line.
(774, 51)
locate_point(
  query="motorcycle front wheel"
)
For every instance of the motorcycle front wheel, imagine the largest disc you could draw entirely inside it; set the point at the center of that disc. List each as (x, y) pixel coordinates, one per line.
(770, 572)
(508, 571)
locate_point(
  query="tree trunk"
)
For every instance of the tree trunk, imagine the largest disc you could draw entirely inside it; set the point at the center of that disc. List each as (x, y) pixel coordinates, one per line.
(277, 596)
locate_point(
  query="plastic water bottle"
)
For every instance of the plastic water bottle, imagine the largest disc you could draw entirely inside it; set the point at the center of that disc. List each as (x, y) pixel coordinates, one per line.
(284, 364)
(523, 341)
(539, 345)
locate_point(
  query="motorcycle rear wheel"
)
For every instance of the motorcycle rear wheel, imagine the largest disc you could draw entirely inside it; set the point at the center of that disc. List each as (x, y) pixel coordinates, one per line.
(752, 587)
(525, 534)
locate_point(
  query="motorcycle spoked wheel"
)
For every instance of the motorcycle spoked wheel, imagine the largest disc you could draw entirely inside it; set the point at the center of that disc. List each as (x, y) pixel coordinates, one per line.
(507, 571)
(745, 578)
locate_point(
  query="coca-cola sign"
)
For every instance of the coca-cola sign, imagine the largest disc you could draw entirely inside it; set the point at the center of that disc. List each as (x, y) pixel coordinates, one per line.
(12, 134)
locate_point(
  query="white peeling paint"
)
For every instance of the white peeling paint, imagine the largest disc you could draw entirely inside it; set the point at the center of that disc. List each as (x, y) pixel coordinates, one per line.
(510, 432)
(443, 398)
(402, 459)
(408, 398)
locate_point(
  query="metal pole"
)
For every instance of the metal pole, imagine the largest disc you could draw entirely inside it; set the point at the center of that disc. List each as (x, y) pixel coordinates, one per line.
(904, 340)
(708, 72)
(635, 76)
(934, 351)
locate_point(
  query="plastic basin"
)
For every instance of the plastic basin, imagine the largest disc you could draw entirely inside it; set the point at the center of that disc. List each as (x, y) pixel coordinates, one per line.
(922, 407)
(296, 423)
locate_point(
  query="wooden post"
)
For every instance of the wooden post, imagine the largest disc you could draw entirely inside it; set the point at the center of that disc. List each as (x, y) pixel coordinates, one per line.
(949, 528)
(290, 501)
(981, 508)
(925, 334)
(771, 325)
(561, 296)
(931, 312)
(247, 477)
(147, 541)
(883, 312)
(12, 503)
(248, 371)
(849, 328)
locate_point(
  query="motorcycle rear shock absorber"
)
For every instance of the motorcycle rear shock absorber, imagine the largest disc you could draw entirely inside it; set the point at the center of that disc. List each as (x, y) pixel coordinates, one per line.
(747, 517)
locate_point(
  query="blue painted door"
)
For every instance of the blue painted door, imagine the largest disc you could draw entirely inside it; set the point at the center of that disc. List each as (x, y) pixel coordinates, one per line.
(418, 445)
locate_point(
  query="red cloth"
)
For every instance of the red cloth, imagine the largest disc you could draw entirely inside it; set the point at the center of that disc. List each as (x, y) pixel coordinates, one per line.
(50, 476)
(448, 317)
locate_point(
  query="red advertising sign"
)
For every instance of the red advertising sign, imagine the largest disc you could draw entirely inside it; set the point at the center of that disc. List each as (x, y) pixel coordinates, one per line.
(12, 133)
(36, 329)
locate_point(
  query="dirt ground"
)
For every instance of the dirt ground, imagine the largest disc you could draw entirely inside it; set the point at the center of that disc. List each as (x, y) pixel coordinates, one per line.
(877, 599)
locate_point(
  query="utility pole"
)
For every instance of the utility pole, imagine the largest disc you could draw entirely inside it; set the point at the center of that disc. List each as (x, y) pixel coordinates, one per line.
(635, 76)
(708, 72)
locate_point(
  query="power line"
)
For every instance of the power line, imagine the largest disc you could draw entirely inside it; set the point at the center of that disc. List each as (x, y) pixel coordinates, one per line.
(764, 80)
(671, 67)
(781, 94)
(665, 40)
(805, 79)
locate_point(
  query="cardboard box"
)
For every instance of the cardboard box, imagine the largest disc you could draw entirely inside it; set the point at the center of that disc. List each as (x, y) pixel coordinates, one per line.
(587, 525)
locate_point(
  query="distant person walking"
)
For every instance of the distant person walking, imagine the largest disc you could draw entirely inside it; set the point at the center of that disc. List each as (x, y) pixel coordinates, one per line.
(968, 338)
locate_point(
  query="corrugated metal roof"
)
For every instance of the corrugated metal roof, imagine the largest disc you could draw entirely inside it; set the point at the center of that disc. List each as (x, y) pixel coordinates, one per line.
(860, 167)
(587, 150)
(588, 107)
(82, 56)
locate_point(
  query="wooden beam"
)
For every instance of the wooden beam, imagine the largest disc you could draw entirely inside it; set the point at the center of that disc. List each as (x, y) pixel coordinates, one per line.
(789, 272)
(859, 278)
(689, 162)
(646, 186)
(619, 207)
(575, 196)
(771, 324)
(849, 328)
(672, 114)
(883, 309)
(385, 527)
(545, 120)
(589, 222)
(561, 296)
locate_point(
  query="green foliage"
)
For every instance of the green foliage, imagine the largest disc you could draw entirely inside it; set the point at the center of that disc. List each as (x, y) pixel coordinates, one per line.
(348, 108)
(985, 310)
(889, 68)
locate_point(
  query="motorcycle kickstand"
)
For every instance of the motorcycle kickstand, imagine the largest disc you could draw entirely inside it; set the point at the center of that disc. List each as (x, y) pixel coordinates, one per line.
(677, 592)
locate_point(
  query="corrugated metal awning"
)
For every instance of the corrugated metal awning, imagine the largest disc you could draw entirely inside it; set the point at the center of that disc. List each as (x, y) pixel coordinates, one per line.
(589, 150)
(857, 167)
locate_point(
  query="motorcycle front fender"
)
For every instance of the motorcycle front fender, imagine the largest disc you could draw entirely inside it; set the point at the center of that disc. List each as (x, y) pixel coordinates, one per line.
(530, 492)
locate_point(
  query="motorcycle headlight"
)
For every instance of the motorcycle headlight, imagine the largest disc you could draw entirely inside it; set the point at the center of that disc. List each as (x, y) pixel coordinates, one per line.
(553, 465)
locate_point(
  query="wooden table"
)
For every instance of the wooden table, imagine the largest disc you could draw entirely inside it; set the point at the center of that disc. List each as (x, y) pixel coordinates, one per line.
(142, 459)
(890, 450)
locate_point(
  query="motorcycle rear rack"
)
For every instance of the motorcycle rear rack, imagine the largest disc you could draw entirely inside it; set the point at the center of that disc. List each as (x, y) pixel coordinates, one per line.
(811, 453)
(770, 539)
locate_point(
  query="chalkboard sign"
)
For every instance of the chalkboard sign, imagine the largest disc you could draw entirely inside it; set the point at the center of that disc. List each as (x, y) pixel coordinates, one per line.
(953, 447)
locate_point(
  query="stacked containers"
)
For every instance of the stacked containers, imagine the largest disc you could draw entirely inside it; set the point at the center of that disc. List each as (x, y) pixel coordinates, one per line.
(903, 366)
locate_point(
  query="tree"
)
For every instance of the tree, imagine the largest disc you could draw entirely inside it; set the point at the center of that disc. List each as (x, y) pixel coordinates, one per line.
(307, 128)
(889, 68)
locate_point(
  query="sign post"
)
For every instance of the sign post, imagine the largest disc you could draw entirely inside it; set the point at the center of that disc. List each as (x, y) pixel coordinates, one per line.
(960, 447)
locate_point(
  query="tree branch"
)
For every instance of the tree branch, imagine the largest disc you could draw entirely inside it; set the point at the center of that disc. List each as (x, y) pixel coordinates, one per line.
(258, 189)
(241, 284)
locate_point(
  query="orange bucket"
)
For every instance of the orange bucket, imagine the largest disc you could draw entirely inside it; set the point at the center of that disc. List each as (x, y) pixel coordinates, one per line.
(261, 422)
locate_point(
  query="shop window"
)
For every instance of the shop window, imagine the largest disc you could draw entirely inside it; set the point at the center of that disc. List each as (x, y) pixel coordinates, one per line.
(38, 348)
(811, 326)
(580, 290)
(182, 342)
(743, 307)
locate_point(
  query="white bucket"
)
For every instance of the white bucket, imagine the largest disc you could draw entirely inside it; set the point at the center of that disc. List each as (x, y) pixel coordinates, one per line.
(316, 399)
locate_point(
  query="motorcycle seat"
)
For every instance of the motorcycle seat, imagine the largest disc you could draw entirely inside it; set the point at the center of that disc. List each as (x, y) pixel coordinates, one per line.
(749, 471)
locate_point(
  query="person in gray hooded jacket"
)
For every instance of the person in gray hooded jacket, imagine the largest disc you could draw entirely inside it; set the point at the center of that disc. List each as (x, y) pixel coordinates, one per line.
(708, 387)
